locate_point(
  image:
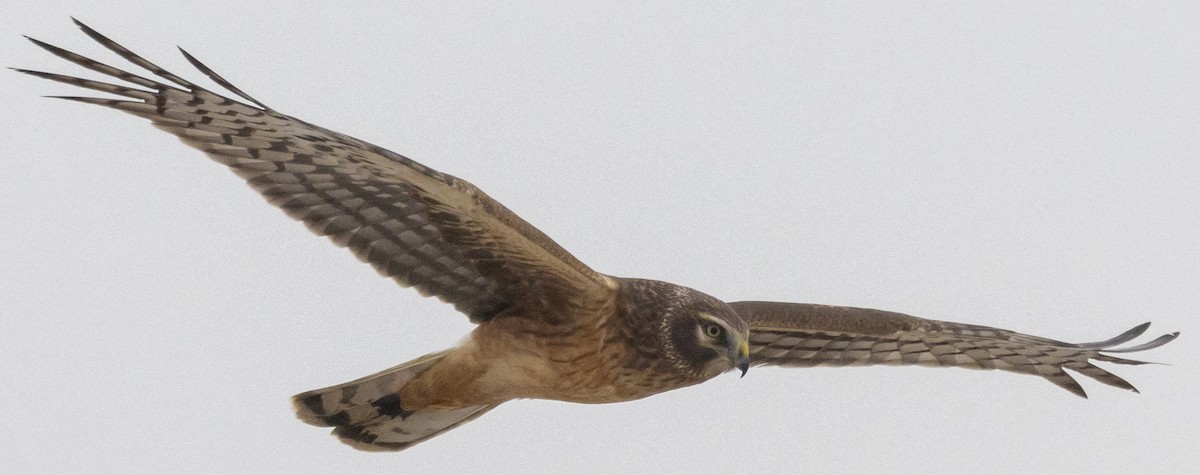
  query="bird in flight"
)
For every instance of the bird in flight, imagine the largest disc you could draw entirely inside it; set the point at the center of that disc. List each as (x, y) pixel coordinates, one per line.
(548, 326)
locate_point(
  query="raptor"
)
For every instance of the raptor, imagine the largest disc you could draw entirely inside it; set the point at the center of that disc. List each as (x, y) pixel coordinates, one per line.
(548, 326)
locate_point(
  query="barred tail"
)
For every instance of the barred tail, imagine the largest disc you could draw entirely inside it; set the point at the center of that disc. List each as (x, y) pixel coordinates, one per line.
(366, 413)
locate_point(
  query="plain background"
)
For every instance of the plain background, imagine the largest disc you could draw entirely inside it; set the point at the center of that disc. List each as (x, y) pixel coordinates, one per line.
(1027, 165)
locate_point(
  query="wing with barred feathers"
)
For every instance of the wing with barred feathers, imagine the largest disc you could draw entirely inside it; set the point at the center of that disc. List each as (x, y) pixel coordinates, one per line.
(806, 335)
(423, 228)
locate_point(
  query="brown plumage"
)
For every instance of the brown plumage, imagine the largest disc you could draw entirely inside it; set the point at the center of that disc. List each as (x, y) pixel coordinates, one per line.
(548, 326)
(805, 335)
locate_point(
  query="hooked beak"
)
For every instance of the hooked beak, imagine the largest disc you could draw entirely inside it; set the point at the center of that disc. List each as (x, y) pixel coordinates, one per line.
(741, 357)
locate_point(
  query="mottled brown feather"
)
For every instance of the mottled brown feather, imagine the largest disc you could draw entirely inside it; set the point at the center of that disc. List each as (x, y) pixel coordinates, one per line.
(423, 228)
(805, 335)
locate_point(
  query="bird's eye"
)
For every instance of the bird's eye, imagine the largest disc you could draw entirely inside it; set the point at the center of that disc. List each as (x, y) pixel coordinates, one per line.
(713, 331)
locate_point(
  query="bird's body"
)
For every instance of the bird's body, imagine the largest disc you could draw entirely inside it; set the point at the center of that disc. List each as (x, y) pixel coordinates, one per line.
(549, 327)
(584, 360)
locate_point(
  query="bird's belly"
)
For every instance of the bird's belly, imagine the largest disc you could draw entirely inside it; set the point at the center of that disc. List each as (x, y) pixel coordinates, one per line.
(583, 365)
(584, 368)
(585, 380)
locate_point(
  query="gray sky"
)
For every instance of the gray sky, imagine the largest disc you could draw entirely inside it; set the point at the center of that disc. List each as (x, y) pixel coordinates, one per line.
(1026, 165)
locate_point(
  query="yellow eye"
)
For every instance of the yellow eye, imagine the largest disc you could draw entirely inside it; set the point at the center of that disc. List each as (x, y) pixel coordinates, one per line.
(713, 331)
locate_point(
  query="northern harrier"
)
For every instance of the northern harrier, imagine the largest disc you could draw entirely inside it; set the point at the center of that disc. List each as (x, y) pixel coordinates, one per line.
(549, 327)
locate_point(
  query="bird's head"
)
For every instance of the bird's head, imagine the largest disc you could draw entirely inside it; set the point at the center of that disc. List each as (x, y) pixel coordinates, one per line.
(716, 342)
(703, 336)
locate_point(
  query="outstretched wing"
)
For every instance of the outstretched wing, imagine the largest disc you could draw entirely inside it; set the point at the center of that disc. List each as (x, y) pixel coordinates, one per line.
(423, 228)
(805, 335)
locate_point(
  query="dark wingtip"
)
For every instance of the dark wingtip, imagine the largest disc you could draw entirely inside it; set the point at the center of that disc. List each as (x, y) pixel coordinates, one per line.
(38, 42)
(86, 29)
(1155, 343)
(207, 71)
(91, 31)
(1126, 336)
(29, 72)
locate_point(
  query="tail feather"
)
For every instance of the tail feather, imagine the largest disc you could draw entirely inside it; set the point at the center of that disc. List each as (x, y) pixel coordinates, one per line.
(367, 413)
(403, 432)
